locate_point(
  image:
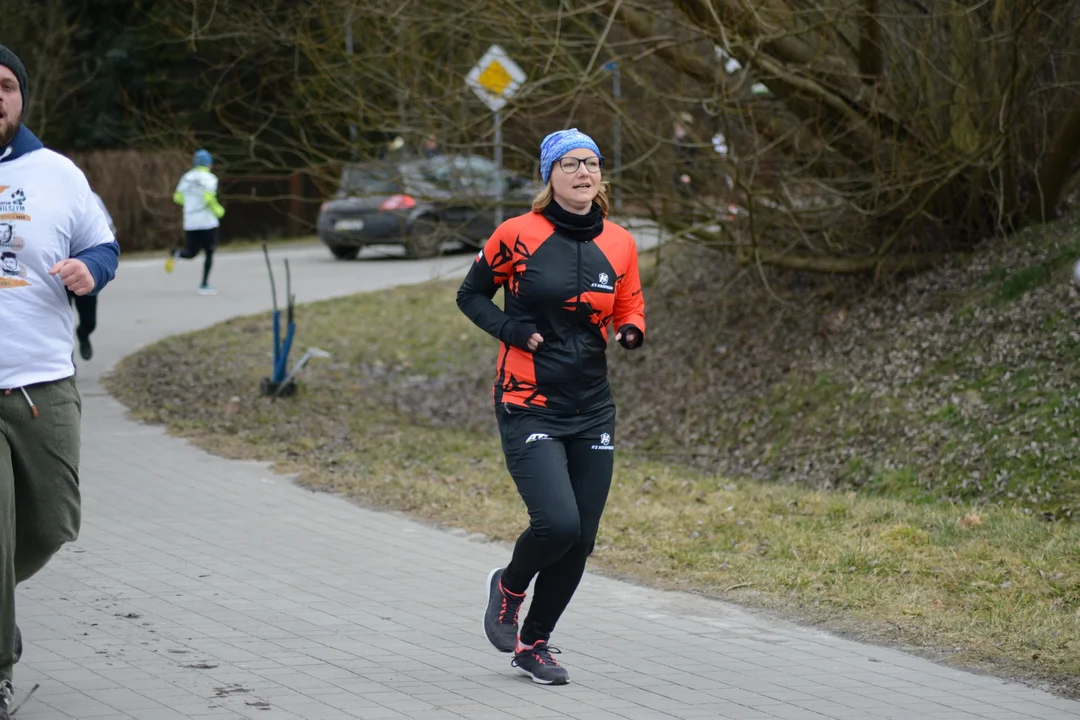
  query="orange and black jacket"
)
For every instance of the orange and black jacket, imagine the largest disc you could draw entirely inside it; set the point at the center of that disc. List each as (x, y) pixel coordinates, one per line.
(566, 282)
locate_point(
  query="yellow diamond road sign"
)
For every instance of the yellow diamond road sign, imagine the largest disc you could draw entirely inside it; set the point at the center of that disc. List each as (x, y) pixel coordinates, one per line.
(495, 78)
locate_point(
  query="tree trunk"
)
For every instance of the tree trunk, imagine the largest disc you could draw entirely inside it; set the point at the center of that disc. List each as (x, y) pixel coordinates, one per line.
(1055, 171)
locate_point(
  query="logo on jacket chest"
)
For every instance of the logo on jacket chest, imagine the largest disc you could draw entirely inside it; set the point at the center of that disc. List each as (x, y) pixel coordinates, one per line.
(602, 282)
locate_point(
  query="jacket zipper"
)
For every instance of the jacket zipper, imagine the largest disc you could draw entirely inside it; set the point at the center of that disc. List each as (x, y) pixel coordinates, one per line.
(577, 353)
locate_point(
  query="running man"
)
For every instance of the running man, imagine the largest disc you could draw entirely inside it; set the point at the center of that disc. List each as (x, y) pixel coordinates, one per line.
(56, 240)
(197, 194)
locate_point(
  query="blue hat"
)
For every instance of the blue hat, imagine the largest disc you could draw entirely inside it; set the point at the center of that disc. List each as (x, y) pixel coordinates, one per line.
(558, 144)
(203, 159)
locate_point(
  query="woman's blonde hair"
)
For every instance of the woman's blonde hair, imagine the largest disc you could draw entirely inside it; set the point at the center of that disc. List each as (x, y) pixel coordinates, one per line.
(547, 195)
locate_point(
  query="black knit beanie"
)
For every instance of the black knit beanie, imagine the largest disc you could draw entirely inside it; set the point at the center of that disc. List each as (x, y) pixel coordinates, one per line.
(12, 62)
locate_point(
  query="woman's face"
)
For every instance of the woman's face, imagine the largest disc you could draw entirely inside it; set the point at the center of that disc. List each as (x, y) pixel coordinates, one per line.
(575, 190)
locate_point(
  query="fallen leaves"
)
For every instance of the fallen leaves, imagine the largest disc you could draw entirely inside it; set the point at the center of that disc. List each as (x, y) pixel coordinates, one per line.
(970, 520)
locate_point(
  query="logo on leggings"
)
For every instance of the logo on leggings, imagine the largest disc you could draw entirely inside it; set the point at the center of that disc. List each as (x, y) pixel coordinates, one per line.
(605, 443)
(537, 436)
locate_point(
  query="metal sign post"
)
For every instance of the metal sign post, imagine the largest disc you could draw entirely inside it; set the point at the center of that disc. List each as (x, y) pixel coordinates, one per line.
(495, 79)
(499, 184)
(352, 79)
(616, 90)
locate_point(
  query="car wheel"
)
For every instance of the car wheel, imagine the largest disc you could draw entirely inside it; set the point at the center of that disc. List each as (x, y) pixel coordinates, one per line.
(344, 252)
(425, 239)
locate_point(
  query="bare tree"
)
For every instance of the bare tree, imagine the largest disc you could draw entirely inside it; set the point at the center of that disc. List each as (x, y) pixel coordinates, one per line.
(854, 135)
(901, 130)
(43, 33)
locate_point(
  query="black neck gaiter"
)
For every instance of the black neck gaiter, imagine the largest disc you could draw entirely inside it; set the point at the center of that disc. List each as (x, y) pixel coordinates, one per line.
(582, 228)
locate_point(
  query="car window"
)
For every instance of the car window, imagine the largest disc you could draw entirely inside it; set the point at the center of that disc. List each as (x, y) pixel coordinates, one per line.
(421, 180)
(476, 174)
(479, 165)
(439, 171)
(370, 180)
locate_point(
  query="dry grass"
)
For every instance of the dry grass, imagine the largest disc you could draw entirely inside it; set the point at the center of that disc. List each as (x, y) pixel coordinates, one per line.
(988, 587)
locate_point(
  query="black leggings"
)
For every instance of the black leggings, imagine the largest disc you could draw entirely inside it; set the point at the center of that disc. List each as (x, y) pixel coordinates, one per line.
(196, 240)
(86, 307)
(562, 468)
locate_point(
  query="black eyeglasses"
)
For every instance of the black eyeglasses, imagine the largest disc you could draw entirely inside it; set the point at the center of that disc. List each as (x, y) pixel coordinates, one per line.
(571, 164)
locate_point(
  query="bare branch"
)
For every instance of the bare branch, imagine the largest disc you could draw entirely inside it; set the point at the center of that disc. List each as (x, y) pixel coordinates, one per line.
(871, 62)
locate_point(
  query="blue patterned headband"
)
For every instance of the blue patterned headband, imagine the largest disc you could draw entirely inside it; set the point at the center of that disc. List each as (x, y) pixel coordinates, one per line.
(558, 144)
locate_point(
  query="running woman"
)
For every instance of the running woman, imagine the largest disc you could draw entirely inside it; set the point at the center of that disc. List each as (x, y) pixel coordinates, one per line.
(567, 274)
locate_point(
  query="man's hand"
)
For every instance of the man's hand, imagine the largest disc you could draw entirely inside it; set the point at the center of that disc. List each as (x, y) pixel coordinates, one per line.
(535, 341)
(75, 275)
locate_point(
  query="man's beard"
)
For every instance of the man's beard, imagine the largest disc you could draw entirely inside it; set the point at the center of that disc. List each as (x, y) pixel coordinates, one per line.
(7, 137)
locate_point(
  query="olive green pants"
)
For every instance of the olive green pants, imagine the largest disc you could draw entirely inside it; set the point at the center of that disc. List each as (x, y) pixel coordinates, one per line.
(39, 490)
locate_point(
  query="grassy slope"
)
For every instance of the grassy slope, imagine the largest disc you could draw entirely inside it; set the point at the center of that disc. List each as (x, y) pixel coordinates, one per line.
(960, 385)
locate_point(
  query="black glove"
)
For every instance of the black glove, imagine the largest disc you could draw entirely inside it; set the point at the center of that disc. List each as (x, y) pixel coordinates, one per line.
(630, 337)
(519, 336)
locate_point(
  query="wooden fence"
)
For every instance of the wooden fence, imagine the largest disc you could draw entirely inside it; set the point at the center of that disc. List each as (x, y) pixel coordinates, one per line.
(137, 187)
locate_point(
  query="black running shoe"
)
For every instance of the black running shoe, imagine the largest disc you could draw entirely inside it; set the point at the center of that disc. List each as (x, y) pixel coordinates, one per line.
(537, 663)
(18, 644)
(7, 699)
(86, 350)
(501, 614)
